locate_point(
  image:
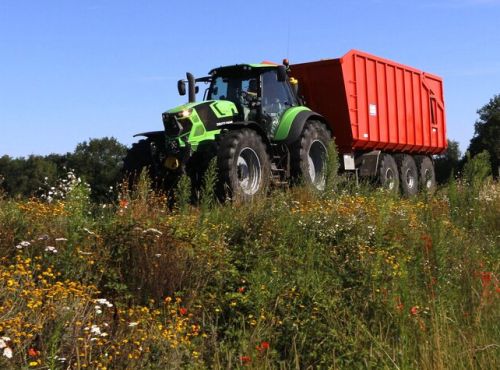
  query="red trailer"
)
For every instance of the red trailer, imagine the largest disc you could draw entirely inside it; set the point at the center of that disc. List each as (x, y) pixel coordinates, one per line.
(379, 111)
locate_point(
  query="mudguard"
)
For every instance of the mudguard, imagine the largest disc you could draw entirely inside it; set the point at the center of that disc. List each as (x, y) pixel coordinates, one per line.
(152, 134)
(291, 128)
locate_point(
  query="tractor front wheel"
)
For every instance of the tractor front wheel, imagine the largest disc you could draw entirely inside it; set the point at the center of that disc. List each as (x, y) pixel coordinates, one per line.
(243, 165)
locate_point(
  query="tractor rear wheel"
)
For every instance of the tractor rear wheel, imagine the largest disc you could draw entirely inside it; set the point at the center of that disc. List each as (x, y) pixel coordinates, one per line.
(388, 173)
(138, 158)
(243, 165)
(309, 155)
(408, 175)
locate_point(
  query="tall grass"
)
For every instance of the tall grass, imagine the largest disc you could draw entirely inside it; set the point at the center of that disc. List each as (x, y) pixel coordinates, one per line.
(352, 278)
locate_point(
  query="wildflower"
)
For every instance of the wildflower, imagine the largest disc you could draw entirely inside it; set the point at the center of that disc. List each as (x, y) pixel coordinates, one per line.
(94, 329)
(104, 302)
(132, 324)
(23, 244)
(33, 352)
(123, 203)
(33, 363)
(414, 310)
(3, 342)
(7, 352)
(183, 311)
(263, 346)
(245, 360)
(486, 278)
(241, 289)
(50, 249)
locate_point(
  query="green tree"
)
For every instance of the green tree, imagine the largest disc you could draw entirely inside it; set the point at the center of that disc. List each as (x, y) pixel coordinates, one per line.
(99, 163)
(487, 133)
(25, 176)
(448, 163)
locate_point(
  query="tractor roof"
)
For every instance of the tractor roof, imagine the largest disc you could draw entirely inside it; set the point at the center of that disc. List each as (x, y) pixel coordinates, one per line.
(239, 67)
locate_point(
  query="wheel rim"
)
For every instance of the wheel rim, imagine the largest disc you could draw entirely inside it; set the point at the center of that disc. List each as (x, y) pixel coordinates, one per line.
(428, 179)
(410, 179)
(249, 171)
(390, 179)
(317, 160)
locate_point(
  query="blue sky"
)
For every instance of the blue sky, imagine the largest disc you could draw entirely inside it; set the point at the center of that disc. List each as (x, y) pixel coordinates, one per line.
(71, 70)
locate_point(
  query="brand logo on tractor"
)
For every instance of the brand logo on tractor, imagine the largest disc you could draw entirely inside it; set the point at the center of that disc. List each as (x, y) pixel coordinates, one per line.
(223, 123)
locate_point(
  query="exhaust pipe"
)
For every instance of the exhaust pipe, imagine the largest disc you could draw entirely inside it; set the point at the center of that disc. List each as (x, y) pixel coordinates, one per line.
(191, 87)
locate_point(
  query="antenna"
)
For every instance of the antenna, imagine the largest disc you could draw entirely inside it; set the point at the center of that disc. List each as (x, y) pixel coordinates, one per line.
(288, 41)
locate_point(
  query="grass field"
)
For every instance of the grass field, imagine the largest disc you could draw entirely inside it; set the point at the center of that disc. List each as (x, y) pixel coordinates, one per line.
(353, 278)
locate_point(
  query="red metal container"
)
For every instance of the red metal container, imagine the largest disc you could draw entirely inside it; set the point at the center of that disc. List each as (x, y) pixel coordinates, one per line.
(374, 103)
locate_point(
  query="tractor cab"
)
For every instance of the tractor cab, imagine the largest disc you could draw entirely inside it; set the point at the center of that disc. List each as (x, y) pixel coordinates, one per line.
(261, 92)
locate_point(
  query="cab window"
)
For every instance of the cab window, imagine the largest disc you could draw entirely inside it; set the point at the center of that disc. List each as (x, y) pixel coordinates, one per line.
(276, 96)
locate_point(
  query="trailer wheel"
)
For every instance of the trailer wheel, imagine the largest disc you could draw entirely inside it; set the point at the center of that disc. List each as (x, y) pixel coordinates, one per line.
(388, 173)
(427, 175)
(408, 175)
(309, 155)
(243, 165)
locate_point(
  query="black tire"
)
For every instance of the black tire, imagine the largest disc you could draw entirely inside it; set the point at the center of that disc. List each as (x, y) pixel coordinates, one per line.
(309, 155)
(408, 174)
(388, 173)
(243, 165)
(138, 157)
(426, 173)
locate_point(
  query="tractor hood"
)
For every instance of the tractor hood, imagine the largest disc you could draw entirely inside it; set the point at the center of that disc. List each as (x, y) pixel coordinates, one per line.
(199, 117)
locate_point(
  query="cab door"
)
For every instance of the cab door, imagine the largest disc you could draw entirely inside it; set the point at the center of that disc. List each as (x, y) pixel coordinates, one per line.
(276, 98)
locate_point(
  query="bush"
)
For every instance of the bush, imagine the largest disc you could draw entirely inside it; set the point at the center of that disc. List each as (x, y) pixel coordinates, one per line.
(348, 279)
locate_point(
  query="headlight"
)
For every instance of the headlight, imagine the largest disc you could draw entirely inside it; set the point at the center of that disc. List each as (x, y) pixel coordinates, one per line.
(185, 113)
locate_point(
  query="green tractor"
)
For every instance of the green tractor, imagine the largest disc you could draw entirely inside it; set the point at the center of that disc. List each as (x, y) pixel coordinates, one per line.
(251, 119)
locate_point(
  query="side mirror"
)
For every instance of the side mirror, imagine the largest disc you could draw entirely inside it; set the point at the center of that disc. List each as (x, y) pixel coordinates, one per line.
(196, 89)
(282, 75)
(181, 87)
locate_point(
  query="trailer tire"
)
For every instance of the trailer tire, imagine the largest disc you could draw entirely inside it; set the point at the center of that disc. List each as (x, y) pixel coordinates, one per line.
(309, 155)
(426, 173)
(408, 175)
(243, 165)
(388, 173)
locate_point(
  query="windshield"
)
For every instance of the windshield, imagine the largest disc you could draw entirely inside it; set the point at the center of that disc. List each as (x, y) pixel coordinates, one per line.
(230, 87)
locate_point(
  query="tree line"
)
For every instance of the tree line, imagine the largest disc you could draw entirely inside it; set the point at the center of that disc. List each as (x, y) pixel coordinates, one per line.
(486, 141)
(99, 161)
